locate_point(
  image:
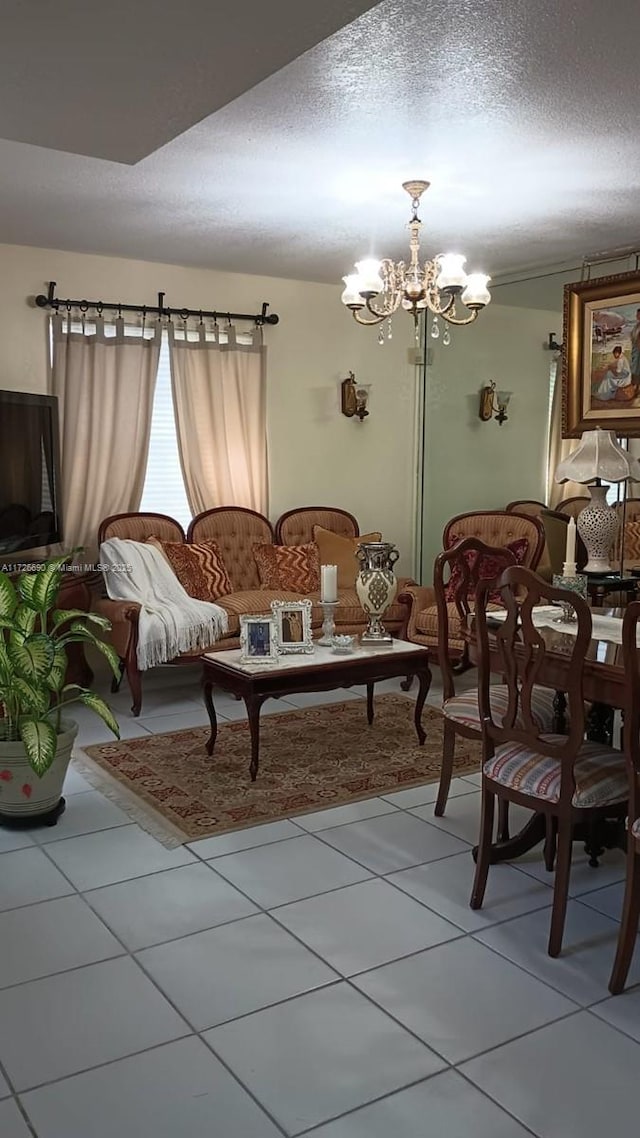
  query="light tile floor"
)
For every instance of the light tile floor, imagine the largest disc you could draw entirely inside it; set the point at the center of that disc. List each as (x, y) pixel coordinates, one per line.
(322, 975)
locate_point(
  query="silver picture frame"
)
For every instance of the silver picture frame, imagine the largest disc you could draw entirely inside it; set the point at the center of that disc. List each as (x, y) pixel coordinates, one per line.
(293, 623)
(258, 639)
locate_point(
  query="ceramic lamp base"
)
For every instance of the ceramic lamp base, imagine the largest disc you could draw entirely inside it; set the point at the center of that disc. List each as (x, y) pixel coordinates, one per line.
(597, 525)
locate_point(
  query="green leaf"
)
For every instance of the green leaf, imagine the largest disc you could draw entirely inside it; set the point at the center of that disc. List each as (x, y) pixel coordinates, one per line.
(34, 658)
(97, 704)
(47, 584)
(40, 743)
(5, 665)
(106, 649)
(8, 596)
(55, 679)
(59, 616)
(26, 585)
(25, 618)
(33, 700)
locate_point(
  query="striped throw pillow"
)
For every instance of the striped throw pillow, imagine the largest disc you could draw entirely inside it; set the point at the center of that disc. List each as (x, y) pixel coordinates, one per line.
(295, 568)
(199, 568)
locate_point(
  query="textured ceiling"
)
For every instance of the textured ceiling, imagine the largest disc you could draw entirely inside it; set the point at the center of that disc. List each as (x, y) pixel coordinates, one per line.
(118, 81)
(523, 116)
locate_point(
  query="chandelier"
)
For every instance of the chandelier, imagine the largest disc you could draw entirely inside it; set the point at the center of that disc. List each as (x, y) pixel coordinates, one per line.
(378, 288)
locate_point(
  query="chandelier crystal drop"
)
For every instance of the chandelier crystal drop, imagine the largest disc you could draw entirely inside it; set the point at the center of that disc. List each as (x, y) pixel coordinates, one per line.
(378, 288)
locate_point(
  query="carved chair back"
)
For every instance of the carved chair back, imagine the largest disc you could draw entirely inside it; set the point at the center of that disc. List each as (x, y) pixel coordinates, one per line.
(517, 650)
(456, 573)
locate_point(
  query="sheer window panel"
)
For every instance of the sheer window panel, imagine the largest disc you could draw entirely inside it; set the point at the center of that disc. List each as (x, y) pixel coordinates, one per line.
(164, 491)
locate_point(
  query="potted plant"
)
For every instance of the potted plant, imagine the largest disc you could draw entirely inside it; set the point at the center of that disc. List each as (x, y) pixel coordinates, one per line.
(36, 737)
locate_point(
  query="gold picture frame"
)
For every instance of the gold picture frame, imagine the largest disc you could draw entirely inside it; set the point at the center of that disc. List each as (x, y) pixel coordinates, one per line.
(601, 356)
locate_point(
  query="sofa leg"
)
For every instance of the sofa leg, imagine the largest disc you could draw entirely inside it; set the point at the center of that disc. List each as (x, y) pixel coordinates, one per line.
(134, 678)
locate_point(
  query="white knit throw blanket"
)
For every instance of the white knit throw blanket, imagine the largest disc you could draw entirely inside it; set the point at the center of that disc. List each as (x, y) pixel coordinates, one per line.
(170, 620)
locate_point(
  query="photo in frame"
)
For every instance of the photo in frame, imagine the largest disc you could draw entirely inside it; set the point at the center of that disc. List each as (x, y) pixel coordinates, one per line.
(258, 639)
(601, 356)
(293, 624)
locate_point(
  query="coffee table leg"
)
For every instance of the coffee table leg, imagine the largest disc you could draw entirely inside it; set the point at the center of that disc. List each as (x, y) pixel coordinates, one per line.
(211, 712)
(424, 680)
(370, 704)
(253, 705)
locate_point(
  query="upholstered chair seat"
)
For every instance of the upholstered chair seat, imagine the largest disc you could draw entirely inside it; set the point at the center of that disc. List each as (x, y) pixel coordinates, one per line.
(464, 707)
(600, 773)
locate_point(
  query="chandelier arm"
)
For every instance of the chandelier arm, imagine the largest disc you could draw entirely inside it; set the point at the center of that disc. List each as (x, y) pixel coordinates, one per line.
(461, 320)
(355, 312)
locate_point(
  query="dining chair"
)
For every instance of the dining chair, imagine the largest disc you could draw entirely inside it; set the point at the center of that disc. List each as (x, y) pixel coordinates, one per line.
(456, 574)
(561, 777)
(631, 739)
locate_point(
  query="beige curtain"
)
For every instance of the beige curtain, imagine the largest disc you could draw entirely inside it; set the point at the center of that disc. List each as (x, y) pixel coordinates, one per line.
(559, 448)
(105, 386)
(219, 396)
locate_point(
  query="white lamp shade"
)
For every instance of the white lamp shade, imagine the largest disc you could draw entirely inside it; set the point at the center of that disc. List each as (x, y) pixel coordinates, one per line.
(351, 295)
(451, 274)
(598, 455)
(369, 279)
(476, 294)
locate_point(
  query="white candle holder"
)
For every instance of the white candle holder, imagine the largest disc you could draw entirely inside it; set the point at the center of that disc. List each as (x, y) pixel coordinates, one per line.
(328, 623)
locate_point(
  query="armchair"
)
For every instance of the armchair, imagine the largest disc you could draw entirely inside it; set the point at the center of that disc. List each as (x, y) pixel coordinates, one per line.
(498, 528)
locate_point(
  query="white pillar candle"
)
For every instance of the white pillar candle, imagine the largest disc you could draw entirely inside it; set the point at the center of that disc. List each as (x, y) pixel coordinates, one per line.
(329, 583)
(570, 552)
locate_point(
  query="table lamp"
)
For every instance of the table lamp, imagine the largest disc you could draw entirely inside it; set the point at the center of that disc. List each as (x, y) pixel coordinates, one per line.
(597, 457)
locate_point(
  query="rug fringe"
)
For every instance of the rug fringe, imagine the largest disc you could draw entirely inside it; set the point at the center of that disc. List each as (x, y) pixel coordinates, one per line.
(147, 818)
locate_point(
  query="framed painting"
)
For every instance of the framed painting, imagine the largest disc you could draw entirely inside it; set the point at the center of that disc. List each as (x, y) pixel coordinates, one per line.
(293, 623)
(601, 357)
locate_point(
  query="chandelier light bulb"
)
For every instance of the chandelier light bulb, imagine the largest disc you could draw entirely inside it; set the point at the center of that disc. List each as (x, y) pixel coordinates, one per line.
(377, 289)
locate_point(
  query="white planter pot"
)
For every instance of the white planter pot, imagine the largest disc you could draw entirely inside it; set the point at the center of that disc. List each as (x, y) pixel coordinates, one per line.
(23, 795)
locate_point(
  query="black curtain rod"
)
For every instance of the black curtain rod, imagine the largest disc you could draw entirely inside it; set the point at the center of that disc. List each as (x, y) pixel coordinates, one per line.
(159, 309)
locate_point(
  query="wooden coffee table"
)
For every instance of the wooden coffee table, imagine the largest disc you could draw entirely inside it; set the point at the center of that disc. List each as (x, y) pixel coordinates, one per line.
(324, 670)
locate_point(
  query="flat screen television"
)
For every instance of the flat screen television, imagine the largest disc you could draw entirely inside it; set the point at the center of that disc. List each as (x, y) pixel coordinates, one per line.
(29, 473)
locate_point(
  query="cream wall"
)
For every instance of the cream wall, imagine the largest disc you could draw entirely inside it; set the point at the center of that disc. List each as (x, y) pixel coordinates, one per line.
(470, 464)
(317, 456)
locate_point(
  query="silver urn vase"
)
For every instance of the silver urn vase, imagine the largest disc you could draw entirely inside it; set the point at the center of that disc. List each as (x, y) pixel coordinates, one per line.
(376, 587)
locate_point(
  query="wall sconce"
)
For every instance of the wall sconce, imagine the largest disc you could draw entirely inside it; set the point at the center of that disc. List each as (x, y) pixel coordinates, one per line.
(493, 402)
(354, 398)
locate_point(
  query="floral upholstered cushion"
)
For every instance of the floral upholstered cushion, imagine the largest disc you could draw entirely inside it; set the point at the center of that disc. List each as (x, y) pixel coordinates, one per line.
(600, 773)
(199, 568)
(489, 567)
(293, 567)
(464, 708)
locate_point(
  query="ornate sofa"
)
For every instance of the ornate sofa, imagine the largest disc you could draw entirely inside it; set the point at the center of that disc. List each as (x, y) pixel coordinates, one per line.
(236, 530)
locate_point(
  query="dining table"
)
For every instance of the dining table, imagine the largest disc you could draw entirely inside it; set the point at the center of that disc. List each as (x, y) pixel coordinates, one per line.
(605, 691)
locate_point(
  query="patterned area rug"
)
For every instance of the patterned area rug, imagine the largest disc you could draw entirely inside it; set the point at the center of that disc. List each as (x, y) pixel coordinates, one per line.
(310, 759)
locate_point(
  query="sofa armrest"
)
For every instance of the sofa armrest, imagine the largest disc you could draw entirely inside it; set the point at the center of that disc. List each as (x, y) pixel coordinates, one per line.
(117, 611)
(418, 597)
(124, 617)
